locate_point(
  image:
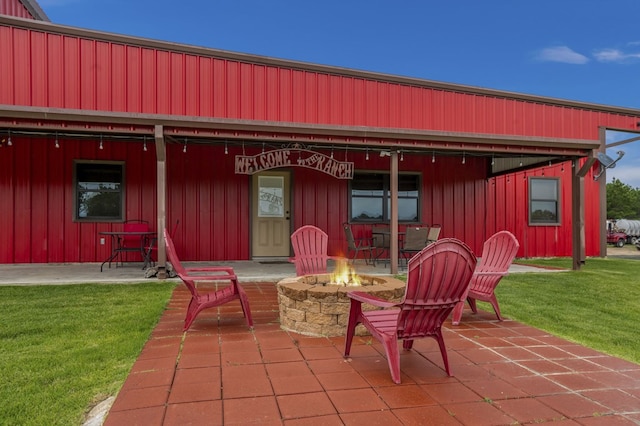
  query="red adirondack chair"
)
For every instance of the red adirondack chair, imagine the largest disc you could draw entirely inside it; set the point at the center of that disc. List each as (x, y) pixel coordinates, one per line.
(200, 301)
(498, 253)
(310, 249)
(437, 278)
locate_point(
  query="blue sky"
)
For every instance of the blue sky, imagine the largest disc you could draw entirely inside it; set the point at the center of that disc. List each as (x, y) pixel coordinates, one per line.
(583, 50)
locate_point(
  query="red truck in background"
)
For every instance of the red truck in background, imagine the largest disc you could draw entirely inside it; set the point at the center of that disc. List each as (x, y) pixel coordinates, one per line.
(619, 239)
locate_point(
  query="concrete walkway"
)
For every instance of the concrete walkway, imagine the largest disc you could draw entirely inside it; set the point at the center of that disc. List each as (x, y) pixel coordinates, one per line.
(247, 271)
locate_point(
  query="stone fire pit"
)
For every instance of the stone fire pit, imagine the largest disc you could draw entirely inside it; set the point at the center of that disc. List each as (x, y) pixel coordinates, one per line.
(312, 306)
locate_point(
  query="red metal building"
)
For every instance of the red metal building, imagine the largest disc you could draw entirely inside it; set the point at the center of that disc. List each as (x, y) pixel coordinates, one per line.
(167, 132)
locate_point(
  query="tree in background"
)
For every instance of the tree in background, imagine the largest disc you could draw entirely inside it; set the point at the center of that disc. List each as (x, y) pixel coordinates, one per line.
(623, 201)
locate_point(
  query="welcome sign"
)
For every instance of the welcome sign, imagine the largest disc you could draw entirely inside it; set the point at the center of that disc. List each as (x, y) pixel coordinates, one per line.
(251, 164)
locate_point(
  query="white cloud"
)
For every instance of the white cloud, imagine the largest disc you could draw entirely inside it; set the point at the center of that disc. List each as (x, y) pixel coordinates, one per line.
(614, 55)
(562, 54)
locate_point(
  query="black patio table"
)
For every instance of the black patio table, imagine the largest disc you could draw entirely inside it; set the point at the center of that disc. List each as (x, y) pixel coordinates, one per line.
(117, 247)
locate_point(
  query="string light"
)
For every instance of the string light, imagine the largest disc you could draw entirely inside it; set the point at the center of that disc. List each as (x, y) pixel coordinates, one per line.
(433, 157)
(9, 142)
(464, 159)
(493, 160)
(226, 150)
(144, 143)
(263, 147)
(366, 157)
(184, 149)
(57, 144)
(401, 156)
(521, 161)
(101, 146)
(332, 153)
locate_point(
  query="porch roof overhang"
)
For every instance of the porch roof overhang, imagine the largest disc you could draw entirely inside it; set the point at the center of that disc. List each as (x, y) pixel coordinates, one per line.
(509, 152)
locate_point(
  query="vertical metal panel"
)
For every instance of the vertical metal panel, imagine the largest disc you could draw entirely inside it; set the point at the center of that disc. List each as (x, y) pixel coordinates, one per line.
(8, 167)
(7, 81)
(192, 86)
(14, 8)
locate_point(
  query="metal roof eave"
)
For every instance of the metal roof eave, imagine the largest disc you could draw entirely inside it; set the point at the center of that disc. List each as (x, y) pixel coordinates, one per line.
(208, 128)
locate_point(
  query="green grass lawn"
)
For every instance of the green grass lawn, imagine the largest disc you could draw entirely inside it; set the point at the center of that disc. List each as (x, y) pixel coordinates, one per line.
(597, 306)
(64, 348)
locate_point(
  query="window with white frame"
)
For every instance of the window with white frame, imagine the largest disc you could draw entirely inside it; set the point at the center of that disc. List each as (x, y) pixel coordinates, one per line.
(371, 197)
(99, 191)
(544, 198)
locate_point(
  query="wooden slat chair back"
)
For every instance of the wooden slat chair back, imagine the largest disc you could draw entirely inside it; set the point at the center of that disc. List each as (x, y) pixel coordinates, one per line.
(437, 278)
(498, 253)
(356, 245)
(310, 245)
(200, 301)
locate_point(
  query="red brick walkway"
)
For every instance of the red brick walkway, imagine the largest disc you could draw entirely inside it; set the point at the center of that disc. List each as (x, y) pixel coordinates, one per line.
(505, 373)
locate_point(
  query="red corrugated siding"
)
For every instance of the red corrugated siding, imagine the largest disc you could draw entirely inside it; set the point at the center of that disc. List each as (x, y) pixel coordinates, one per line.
(112, 76)
(14, 8)
(508, 201)
(212, 203)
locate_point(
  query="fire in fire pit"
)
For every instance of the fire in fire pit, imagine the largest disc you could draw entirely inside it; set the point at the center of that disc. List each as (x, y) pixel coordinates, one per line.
(344, 275)
(318, 305)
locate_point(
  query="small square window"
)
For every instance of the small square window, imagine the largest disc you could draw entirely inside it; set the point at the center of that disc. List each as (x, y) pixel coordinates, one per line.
(99, 191)
(544, 197)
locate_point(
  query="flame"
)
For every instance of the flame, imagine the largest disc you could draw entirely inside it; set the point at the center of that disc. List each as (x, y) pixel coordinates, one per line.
(344, 275)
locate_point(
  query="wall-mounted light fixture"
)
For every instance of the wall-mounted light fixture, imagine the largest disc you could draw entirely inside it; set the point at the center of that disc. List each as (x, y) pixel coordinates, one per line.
(607, 162)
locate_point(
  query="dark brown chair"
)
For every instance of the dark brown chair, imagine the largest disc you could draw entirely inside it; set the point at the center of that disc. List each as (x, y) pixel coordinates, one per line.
(434, 233)
(356, 245)
(415, 239)
(200, 301)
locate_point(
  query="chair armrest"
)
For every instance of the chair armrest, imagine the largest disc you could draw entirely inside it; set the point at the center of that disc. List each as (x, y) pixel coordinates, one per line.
(292, 260)
(363, 297)
(212, 269)
(491, 273)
